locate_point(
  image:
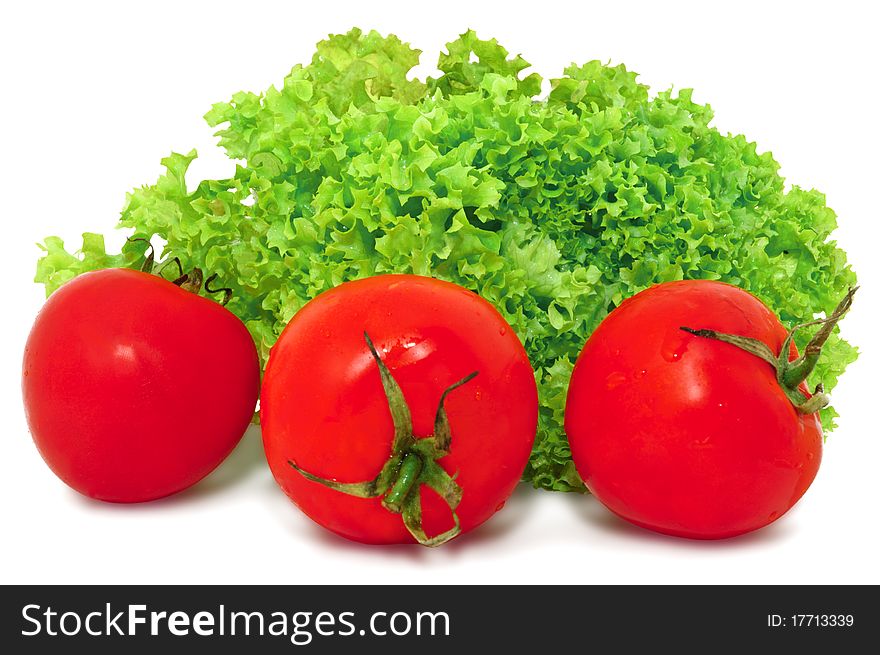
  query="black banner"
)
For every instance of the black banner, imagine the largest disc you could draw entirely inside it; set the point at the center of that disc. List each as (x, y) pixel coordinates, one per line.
(427, 619)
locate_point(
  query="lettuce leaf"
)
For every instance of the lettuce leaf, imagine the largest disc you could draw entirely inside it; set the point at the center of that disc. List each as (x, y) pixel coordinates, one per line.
(553, 209)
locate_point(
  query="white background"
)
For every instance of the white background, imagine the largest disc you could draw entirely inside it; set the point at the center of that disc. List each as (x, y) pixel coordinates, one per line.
(94, 95)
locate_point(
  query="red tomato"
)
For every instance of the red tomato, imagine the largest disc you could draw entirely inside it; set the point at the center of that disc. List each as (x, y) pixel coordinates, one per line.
(135, 388)
(323, 406)
(686, 435)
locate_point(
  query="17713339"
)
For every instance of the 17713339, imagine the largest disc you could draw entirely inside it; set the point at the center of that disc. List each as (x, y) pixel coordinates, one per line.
(810, 621)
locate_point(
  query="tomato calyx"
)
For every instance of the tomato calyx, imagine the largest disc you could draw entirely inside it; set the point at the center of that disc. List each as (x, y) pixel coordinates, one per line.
(413, 462)
(193, 281)
(790, 374)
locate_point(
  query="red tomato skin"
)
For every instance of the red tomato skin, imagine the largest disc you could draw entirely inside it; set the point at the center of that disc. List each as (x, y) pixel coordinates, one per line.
(685, 435)
(135, 389)
(323, 407)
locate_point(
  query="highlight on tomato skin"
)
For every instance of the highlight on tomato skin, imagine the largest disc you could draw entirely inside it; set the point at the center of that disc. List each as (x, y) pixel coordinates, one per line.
(326, 416)
(135, 388)
(678, 426)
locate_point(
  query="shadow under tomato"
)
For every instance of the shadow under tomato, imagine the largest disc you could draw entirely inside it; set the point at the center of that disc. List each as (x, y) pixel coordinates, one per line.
(502, 523)
(496, 528)
(247, 459)
(244, 461)
(592, 511)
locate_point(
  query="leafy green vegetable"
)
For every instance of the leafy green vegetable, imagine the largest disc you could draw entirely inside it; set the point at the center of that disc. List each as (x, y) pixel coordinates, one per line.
(553, 209)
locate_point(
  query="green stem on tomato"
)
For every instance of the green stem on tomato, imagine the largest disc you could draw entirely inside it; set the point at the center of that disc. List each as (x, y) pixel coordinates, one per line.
(798, 370)
(412, 463)
(407, 478)
(790, 374)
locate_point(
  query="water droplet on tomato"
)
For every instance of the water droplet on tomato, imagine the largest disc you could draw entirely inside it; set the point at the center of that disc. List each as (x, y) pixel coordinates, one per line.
(502, 331)
(500, 505)
(614, 380)
(674, 345)
(809, 456)
(478, 395)
(640, 374)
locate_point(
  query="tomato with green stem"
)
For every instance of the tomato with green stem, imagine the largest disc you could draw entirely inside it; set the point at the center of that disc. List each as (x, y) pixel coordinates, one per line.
(688, 411)
(398, 409)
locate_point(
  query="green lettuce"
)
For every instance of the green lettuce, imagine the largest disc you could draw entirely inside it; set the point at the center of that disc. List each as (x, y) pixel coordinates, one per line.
(554, 209)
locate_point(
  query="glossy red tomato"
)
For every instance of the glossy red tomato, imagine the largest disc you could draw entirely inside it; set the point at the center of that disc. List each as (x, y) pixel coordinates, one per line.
(135, 388)
(323, 406)
(688, 435)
